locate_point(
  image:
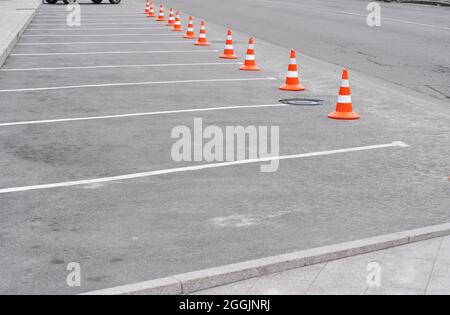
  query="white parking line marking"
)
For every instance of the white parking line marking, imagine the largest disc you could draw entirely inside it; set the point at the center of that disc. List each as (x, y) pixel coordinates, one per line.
(97, 28)
(97, 23)
(124, 66)
(97, 35)
(198, 168)
(109, 43)
(165, 112)
(67, 87)
(119, 52)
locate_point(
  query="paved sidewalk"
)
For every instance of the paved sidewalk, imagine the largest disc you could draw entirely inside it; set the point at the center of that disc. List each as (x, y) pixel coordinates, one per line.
(417, 268)
(429, 2)
(14, 18)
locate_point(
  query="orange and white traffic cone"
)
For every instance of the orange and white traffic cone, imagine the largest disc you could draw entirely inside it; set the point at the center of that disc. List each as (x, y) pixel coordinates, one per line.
(344, 107)
(292, 79)
(151, 11)
(171, 21)
(177, 26)
(161, 17)
(250, 60)
(190, 30)
(147, 7)
(228, 52)
(202, 41)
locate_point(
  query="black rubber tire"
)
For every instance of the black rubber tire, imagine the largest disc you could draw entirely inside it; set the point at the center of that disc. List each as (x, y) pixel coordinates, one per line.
(114, 1)
(69, 1)
(51, 1)
(97, 1)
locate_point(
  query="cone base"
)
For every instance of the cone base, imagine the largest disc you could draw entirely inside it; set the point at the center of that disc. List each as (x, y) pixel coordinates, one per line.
(344, 116)
(230, 56)
(169, 24)
(201, 44)
(250, 68)
(177, 30)
(190, 36)
(151, 16)
(161, 20)
(292, 87)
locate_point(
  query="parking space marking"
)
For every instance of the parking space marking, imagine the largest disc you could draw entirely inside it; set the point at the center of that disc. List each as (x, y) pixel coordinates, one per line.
(109, 43)
(67, 87)
(119, 52)
(97, 35)
(124, 66)
(198, 168)
(165, 112)
(84, 23)
(98, 28)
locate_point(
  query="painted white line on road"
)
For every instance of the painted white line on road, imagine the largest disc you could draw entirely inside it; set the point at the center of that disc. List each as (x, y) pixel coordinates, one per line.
(97, 28)
(124, 66)
(118, 52)
(165, 112)
(197, 168)
(96, 23)
(109, 43)
(67, 87)
(98, 35)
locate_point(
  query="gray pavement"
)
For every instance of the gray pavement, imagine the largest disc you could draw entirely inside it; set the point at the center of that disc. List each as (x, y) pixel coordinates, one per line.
(14, 17)
(151, 227)
(413, 269)
(406, 50)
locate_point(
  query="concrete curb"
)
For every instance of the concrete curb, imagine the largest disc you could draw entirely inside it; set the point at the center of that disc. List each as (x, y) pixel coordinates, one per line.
(209, 278)
(426, 2)
(14, 37)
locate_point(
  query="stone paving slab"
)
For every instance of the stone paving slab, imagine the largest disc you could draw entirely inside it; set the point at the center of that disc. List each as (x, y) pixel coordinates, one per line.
(412, 269)
(15, 15)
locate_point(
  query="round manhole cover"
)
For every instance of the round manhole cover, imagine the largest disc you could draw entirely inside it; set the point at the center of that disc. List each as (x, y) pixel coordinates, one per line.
(302, 101)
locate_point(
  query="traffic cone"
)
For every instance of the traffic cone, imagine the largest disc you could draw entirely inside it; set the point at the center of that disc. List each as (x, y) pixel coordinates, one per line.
(151, 11)
(171, 21)
(202, 41)
(147, 7)
(190, 29)
(177, 26)
(292, 80)
(250, 61)
(344, 108)
(228, 52)
(161, 17)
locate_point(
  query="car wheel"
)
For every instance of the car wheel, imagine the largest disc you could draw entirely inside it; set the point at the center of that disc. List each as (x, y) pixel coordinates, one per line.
(97, 1)
(114, 1)
(69, 1)
(51, 1)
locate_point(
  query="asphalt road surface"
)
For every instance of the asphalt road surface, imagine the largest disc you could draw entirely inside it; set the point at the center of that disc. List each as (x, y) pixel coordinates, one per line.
(410, 48)
(81, 106)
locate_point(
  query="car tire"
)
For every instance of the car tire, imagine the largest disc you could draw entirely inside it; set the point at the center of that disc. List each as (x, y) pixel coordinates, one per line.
(69, 1)
(97, 1)
(51, 1)
(114, 1)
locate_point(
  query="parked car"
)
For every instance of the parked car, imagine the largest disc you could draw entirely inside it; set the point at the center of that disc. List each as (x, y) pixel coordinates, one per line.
(73, 1)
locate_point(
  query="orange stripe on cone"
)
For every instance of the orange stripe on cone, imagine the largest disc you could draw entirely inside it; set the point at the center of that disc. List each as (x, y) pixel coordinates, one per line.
(161, 17)
(202, 41)
(292, 79)
(228, 52)
(171, 21)
(344, 107)
(250, 60)
(177, 25)
(190, 29)
(151, 11)
(147, 7)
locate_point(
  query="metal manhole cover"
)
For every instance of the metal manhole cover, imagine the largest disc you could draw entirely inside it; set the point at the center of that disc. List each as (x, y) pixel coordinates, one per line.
(302, 101)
